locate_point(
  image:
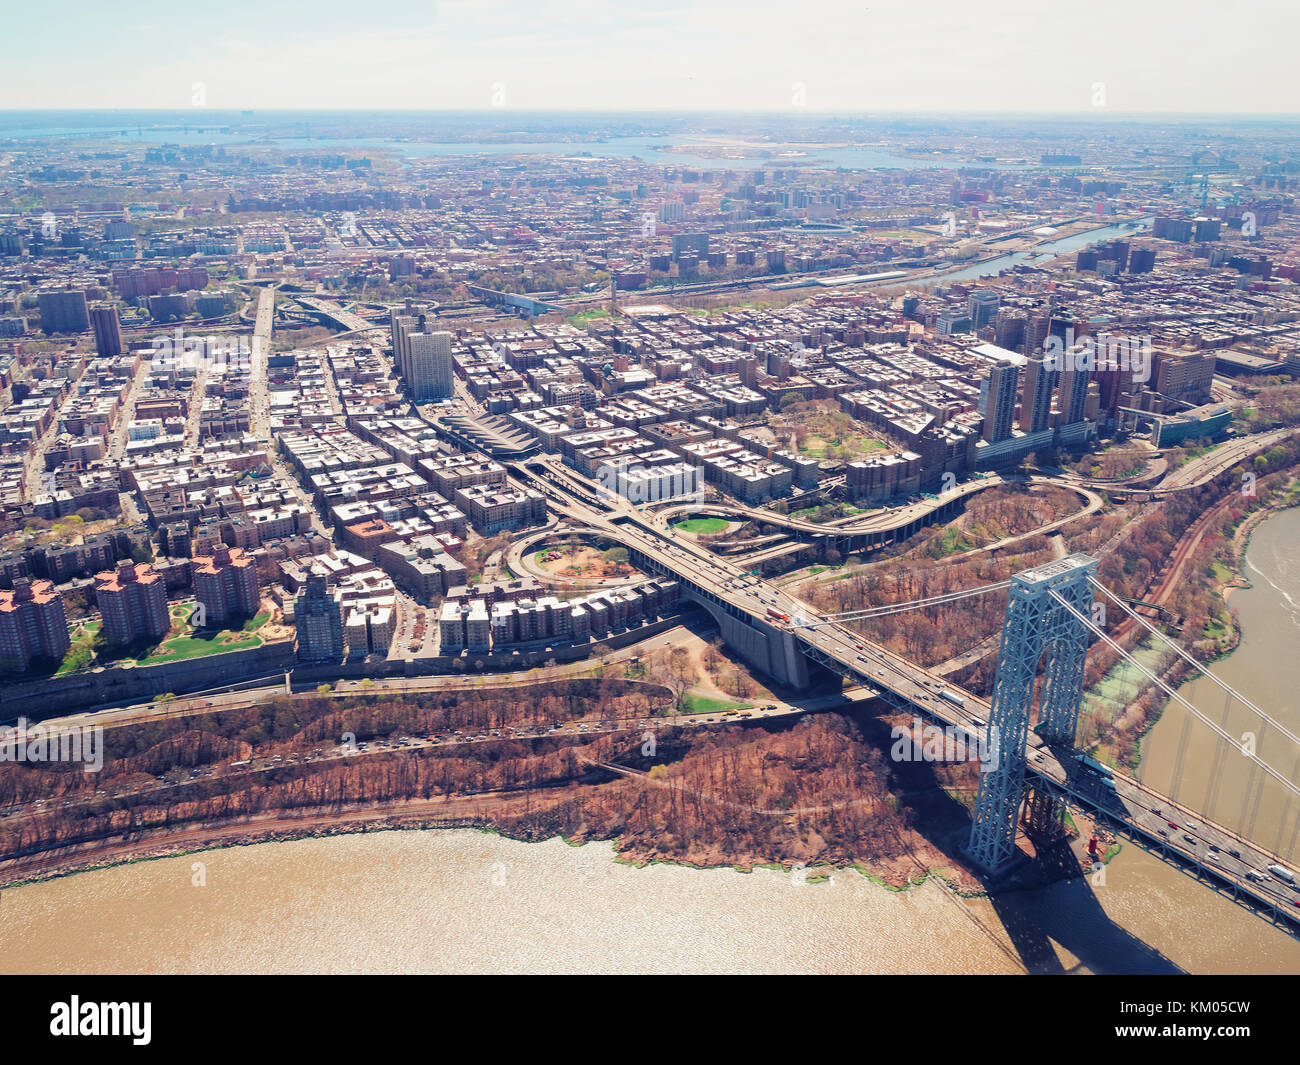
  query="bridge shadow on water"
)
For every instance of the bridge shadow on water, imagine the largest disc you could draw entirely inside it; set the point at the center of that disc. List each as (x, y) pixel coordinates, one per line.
(1058, 904)
(1049, 902)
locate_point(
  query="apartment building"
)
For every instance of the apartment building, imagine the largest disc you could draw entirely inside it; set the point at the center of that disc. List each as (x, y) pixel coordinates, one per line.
(133, 602)
(32, 624)
(225, 584)
(318, 617)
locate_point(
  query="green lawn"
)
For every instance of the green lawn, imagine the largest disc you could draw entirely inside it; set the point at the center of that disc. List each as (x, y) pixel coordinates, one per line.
(702, 704)
(703, 525)
(186, 643)
(827, 512)
(583, 317)
(949, 542)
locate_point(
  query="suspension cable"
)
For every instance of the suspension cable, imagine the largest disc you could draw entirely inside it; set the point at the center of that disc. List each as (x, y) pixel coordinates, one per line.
(895, 608)
(1183, 653)
(1268, 769)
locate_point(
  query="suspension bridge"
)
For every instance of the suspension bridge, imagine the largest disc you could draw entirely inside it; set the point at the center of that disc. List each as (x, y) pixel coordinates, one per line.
(1054, 613)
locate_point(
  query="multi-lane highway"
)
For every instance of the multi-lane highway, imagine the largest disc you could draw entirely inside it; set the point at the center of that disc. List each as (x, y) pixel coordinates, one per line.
(1227, 860)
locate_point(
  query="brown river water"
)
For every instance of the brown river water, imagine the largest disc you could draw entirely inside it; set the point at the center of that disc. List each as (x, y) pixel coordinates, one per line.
(465, 902)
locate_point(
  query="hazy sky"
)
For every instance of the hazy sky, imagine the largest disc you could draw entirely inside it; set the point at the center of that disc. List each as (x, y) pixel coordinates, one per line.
(926, 55)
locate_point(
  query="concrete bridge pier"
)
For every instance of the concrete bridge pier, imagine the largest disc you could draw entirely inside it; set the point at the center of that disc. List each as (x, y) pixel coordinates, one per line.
(770, 650)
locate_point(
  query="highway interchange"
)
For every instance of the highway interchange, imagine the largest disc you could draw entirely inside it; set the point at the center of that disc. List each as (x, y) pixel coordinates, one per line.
(1147, 816)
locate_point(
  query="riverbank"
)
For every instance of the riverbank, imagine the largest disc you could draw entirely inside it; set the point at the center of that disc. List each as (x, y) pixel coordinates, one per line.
(1180, 754)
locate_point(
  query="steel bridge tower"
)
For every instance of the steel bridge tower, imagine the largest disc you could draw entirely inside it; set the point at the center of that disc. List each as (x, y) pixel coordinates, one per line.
(1035, 623)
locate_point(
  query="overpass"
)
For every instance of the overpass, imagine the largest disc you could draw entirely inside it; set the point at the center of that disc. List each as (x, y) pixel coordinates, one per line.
(882, 528)
(330, 311)
(1199, 471)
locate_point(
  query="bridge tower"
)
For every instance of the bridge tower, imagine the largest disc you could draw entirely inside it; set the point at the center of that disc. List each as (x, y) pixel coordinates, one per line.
(1035, 624)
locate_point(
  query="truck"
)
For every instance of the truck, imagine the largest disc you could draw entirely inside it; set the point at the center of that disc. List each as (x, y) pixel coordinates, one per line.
(1103, 771)
(952, 697)
(1282, 874)
(776, 615)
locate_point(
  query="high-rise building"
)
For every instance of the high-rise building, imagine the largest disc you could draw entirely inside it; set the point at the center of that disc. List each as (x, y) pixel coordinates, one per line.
(983, 307)
(106, 323)
(225, 584)
(1185, 375)
(1142, 260)
(63, 312)
(429, 368)
(421, 354)
(1036, 396)
(1072, 398)
(399, 324)
(998, 390)
(1009, 329)
(133, 601)
(1037, 328)
(318, 616)
(687, 243)
(32, 624)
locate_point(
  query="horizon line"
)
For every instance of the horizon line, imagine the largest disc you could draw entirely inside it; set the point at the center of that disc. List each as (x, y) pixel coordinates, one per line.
(793, 113)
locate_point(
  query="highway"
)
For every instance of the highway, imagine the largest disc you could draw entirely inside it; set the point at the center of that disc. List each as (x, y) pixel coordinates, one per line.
(1130, 807)
(888, 519)
(1198, 471)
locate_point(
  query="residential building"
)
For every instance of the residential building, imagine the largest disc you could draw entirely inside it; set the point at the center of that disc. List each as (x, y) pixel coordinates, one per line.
(32, 624)
(225, 585)
(133, 601)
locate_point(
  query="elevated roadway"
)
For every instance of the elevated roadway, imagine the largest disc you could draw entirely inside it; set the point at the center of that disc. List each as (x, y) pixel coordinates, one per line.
(759, 612)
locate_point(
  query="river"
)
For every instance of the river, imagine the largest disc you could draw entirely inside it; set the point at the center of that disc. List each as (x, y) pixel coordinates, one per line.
(1265, 668)
(1043, 252)
(464, 901)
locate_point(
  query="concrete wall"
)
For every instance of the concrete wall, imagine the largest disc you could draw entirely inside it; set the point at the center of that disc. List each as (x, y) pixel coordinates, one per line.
(768, 649)
(44, 698)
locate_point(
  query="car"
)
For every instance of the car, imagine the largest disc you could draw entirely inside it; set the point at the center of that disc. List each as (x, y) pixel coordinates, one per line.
(1234, 852)
(1214, 849)
(1171, 824)
(1162, 832)
(1190, 839)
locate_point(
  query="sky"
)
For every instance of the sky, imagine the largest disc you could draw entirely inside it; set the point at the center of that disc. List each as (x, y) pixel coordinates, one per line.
(1057, 56)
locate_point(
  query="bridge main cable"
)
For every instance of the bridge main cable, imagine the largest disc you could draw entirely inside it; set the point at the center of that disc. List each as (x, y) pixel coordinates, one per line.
(1183, 653)
(896, 608)
(1226, 737)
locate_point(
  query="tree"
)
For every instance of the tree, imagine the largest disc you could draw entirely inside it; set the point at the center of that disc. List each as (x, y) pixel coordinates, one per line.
(324, 689)
(165, 698)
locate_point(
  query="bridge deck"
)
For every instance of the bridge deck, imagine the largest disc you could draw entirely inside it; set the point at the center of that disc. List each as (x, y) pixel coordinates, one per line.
(1133, 808)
